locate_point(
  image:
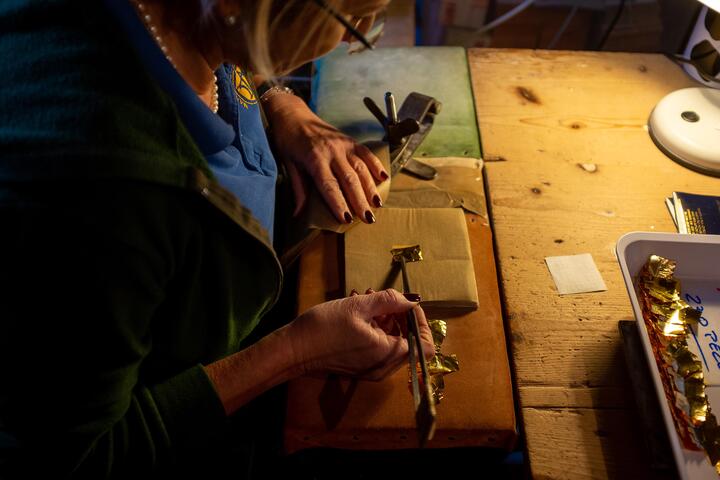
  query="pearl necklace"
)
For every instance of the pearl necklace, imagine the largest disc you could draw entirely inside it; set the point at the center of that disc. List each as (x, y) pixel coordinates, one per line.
(147, 19)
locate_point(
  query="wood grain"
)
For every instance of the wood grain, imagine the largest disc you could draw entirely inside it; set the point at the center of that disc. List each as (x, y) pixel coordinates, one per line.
(575, 443)
(545, 113)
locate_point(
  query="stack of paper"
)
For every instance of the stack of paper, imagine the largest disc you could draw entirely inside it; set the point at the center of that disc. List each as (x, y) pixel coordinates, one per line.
(693, 213)
(445, 278)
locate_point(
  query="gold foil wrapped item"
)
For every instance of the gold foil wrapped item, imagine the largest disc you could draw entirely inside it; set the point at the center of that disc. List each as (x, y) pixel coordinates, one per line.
(438, 328)
(440, 364)
(659, 267)
(411, 253)
(664, 290)
(690, 315)
(669, 320)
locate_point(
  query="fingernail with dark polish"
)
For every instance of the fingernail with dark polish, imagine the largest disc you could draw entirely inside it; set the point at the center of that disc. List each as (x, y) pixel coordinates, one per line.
(348, 217)
(377, 201)
(413, 297)
(384, 175)
(369, 216)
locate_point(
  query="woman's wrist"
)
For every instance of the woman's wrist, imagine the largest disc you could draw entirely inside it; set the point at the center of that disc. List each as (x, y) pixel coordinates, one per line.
(244, 375)
(274, 90)
(281, 103)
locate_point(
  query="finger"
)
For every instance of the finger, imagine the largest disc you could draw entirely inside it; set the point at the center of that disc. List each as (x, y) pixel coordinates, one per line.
(393, 324)
(352, 188)
(385, 323)
(369, 291)
(400, 326)
(401, 323)
(385, 302)
(353, 292)
(373, 163)
(298, 187)
(329, 188)
(366, 180)
(426, 339)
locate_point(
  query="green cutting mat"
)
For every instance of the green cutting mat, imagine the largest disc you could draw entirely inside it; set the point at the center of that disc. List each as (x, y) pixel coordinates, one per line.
(343, 80)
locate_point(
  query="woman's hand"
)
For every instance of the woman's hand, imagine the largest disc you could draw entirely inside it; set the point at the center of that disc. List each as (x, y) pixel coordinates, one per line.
(343, 171)
(360, 336)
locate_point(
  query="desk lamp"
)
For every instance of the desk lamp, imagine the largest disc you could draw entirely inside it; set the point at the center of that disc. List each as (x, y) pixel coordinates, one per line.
(685, 124)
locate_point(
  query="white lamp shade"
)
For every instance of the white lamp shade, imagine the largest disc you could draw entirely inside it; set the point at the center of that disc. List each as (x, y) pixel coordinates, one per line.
(714, 4)
(685, 125)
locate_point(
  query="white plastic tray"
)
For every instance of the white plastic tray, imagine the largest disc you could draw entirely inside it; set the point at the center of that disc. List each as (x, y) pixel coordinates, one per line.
(698, 268)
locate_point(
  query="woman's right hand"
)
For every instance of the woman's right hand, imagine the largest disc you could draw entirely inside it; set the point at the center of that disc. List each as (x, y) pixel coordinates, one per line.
(361, 336)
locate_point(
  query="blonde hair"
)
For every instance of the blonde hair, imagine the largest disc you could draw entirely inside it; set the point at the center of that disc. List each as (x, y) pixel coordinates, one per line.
(259, 39)
(262, 18)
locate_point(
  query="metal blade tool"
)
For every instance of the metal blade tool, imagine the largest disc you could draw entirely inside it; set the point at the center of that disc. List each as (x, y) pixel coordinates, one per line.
(422, 394)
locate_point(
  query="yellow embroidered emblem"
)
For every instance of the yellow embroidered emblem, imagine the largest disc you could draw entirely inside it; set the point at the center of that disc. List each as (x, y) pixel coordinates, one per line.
(244, 91)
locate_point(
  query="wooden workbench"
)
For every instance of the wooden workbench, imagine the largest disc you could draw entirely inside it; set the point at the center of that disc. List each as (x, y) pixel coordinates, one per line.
(541, 114)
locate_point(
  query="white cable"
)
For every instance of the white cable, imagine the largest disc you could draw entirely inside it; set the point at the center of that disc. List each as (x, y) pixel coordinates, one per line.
(563, 27)
(504, 18)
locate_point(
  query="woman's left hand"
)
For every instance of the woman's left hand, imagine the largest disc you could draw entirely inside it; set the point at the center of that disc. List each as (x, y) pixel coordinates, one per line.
(344, 171)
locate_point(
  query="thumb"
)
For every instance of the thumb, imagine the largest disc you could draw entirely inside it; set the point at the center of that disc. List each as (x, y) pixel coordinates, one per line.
(386, 302)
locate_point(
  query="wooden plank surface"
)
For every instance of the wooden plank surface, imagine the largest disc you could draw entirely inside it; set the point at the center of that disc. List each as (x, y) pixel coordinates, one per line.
(542, 114)
(576, 443)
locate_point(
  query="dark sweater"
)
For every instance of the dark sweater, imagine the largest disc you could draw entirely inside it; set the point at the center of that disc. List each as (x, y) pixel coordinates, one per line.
(123, 266)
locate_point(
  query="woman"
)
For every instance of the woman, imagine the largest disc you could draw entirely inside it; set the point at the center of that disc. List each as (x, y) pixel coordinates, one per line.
(136, 249)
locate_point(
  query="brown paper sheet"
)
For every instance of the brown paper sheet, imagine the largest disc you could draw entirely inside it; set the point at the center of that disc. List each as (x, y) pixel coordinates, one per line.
(445, 278)
(459, 183)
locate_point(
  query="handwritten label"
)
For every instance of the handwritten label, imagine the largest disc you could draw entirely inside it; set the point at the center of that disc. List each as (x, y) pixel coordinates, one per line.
(707, 334)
